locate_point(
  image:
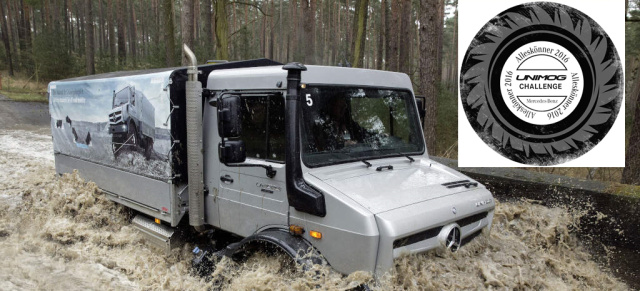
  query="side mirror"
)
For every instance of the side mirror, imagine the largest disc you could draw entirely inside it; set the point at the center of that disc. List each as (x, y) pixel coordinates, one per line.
(421, 102)
(231, 152)
(229, 116)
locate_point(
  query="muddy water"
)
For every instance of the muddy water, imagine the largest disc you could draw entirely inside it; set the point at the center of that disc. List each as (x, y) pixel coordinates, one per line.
(61, 233)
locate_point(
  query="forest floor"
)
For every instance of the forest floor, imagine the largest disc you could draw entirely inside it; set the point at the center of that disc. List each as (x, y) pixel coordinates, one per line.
(19, 88)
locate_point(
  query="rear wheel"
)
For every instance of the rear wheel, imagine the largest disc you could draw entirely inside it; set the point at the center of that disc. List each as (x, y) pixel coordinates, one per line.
(148, 148)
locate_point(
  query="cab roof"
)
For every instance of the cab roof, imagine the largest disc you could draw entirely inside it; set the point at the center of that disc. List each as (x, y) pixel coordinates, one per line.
(268, 78)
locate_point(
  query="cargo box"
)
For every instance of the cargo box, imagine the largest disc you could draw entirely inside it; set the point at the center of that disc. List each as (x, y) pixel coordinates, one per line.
(126, 131)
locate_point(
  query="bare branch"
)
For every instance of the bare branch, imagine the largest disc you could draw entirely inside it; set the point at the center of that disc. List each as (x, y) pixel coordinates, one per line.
(250, 4)
(234, 33)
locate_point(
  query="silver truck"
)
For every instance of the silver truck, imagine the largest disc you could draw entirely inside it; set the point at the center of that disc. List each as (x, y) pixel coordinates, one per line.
(131, 121)
(303, 159)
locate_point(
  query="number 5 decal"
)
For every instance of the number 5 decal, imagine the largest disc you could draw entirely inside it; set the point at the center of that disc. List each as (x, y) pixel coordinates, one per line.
(309, 100)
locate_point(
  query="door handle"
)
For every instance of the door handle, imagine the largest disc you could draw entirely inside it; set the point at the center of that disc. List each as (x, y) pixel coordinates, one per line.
(226, 179)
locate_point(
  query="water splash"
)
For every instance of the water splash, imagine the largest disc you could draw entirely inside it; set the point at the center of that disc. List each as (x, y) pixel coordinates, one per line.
(62, 233)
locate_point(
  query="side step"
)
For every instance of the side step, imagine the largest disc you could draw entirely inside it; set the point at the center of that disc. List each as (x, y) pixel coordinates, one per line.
(159, 235)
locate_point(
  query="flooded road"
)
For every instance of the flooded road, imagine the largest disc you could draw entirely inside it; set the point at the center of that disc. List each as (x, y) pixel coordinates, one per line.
(62, 233)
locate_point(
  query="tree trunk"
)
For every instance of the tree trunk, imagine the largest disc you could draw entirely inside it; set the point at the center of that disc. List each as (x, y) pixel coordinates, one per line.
(393, 34)
(47, 14)
(631, 172)
(5, 37)
(133, 33)
(100, 35)
(359, 33)
(156, 27)
(309, 27)
(12, 31)
(89, 41)
(381, 36)
(122, 49)
(335, 34)
(347, 35)
(187, 27)
(453, 73)
(403, 39)
(196, 20)
(262, 31)
(440, 39)
(295, 35)
(22, 43)
(68, 26)
(144, 33)
(626, 8)
(208, 24)
(55, 14)
(271, 28)
(27, 25)
(428, 65)
(169, 33)
(111, 31)
(222, 30)
(281, 33)
(79, 29)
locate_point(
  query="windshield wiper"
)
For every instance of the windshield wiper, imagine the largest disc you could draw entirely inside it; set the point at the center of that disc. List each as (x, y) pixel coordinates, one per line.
(366, 163)
(411, 160)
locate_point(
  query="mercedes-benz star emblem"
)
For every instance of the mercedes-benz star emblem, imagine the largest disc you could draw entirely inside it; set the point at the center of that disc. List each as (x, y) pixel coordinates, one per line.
(453, 239)
(454, 210)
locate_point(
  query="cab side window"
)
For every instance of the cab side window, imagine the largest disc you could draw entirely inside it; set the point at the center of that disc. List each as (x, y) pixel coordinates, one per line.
(263, 126)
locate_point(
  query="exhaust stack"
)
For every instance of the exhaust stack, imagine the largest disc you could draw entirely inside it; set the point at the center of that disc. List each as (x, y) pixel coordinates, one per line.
(193, 95)
(301, 196)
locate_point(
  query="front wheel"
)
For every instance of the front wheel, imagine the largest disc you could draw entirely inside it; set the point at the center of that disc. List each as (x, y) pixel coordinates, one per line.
(116, 146)
(132, 136)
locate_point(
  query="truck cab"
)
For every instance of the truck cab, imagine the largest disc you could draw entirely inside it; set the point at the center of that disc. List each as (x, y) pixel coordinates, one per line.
(361, 148)
(328, 162)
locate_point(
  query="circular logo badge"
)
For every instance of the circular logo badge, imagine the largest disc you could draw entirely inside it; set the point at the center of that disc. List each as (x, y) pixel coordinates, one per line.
(541, 83)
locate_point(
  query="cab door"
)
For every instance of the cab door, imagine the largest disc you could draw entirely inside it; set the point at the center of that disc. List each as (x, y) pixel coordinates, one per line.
(249, 199)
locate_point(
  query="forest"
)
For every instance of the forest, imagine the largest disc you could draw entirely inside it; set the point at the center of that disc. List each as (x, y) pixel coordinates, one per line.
(46, 40)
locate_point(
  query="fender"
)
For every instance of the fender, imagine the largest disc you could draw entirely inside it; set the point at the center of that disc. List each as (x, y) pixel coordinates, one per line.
(298, 248)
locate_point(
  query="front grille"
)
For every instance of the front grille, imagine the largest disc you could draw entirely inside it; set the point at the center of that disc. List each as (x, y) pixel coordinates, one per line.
(115, 117)
(433, 232)
(469, 238)
(416, 237)
(471, 219)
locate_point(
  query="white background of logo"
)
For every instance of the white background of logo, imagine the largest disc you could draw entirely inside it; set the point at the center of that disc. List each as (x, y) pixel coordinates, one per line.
(472, 151)
(541, 113)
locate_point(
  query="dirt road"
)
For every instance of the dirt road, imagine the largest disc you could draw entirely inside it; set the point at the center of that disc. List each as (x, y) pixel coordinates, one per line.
(23, 115)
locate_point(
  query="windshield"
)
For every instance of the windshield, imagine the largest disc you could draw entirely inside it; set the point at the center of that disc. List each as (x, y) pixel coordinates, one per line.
(122, 97)
(343, 124)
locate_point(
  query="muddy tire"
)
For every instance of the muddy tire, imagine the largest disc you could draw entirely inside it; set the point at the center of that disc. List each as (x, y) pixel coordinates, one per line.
(560, 123)
(148, 148)
(133, 141)
(116, 144)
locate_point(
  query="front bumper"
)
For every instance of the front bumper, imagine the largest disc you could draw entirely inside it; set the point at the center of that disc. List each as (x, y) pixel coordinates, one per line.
(118, 129)
(415, 228)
